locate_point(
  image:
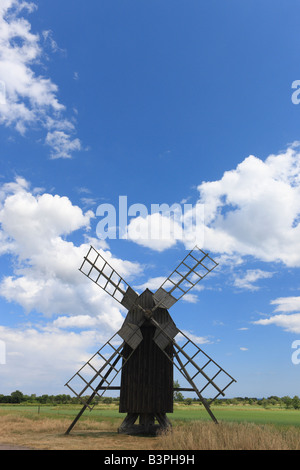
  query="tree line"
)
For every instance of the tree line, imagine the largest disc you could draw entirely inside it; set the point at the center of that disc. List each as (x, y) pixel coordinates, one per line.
(18, 397)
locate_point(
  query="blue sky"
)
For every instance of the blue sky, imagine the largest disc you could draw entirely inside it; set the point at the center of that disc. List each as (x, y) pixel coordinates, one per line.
(162, 102)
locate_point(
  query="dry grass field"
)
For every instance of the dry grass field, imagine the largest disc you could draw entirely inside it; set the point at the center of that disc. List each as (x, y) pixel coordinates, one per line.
(230, 436)
(47, 433)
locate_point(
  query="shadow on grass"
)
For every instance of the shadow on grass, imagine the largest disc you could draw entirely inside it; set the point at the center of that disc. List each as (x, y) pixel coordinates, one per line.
(97, 434)
(90, 434)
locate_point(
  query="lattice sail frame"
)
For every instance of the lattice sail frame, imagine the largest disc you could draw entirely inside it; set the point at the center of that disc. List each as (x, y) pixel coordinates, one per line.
(103, 366)
(195, 266)
(214, 377)
(96, 268)
(206, 379)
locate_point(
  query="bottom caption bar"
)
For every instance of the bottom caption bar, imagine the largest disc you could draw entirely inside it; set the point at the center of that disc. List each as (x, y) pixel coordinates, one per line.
(138, 458)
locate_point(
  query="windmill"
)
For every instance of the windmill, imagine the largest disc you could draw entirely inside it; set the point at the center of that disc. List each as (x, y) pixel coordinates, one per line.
(148, 351)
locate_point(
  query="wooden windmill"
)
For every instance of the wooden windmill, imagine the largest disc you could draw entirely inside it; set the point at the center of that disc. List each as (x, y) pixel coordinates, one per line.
(148, 351)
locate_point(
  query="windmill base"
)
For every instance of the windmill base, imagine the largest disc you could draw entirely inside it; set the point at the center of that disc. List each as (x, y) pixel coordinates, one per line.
(146, 423)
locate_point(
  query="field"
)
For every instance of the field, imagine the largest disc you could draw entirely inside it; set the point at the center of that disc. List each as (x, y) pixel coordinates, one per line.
(240, 427)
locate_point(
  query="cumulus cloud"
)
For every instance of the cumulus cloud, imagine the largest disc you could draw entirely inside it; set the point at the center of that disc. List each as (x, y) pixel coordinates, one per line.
(255, 209)
(29, 100)
(75, 316)
(196, 339)
(288, 321)
(152, 284)
(36, 231)
(155, 231)
(42, 359)
(246, 281)
(286, 304)
(167, 225)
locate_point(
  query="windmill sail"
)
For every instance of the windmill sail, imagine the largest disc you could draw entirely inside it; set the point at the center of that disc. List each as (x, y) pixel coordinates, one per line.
(197, 366)
(210, 376)
(195, 266)
(96, 268)
(99, 372)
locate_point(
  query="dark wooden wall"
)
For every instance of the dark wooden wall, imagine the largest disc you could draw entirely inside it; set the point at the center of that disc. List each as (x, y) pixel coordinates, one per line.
(147, 378)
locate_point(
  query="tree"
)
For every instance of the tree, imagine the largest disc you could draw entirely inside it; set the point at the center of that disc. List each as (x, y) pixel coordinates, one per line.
(296, 402)
(43, 399)
(264, 403)
(188, 401)
(287, 401)
(17, 397)
(107, 400)
(177, 395)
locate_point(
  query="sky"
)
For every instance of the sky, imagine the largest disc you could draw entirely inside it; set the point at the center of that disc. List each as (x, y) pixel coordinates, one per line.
(193, 104)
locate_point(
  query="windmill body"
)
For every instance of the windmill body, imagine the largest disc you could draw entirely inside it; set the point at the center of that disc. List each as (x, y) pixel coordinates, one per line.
(147, 379)
(148, 352)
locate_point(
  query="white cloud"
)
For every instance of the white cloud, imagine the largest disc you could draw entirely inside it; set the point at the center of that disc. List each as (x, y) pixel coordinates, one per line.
(30, 99)
(249, 277)
(45, 277)
(255, 209)
(192, 337)
(78, 321)
(290, 323)
(190, 298)
(286, 304)
(166, 225)
(152, 284)
(154, 231)
(41, 360)
(48, 39)
(62, 144)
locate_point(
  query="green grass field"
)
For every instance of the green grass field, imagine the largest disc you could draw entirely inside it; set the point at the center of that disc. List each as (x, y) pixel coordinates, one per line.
(182, 413)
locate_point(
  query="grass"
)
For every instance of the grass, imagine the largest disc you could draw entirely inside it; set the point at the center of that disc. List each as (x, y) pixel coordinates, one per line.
(240, 427)
(182, 413)
(199, 435)
(236, 413)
